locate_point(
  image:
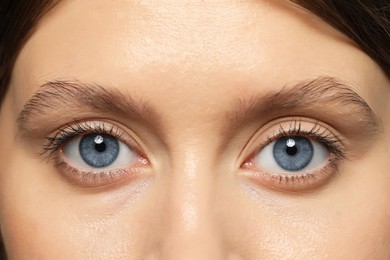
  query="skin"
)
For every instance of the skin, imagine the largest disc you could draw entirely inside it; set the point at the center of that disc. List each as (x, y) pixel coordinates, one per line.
(193, 199)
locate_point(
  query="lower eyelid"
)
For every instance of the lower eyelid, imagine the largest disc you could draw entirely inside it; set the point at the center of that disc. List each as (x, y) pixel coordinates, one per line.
(287, 182)
(96, 179)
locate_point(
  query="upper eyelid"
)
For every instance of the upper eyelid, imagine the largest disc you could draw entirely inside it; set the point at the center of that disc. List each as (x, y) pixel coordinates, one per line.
(272, 130)
(334, 143)
(316, 131)
(85, 127)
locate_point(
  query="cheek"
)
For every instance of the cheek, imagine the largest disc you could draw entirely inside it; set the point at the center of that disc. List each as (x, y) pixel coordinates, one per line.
(30, 221)
(350, 218)
(43, 220)
(364, 212)
(265, 226)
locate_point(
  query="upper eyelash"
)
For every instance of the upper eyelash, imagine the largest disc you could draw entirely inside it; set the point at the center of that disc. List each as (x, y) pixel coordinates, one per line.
(75, 129)
(331, 141)
(70, 131)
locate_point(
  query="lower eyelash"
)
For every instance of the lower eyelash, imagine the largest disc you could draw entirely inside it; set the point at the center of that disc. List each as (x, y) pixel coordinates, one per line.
(305, 182)
(85, 178)
(332, 164)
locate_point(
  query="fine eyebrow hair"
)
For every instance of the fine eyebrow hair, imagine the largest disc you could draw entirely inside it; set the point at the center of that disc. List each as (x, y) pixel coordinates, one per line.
(57, 95)
(317, 96)
(323, 95)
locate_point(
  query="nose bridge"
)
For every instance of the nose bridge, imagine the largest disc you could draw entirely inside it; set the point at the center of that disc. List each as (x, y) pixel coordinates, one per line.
(191, 231)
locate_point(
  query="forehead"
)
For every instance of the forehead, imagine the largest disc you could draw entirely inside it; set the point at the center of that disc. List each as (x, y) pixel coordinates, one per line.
(185, 47)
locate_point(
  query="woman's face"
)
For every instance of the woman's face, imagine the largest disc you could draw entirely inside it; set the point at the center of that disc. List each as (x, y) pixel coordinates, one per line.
(194, 130)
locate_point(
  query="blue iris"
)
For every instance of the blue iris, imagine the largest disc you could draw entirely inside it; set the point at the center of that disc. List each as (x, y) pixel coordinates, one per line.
(99, 150)
(293, 153)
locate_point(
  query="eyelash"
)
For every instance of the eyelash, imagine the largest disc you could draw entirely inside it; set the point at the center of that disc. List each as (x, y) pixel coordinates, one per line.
(333, 144)
(307, 180)
(76, 129)
(90, 178)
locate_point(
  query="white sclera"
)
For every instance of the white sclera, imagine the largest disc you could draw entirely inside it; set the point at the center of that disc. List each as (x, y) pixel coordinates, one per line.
(71, 151)
(265, 158)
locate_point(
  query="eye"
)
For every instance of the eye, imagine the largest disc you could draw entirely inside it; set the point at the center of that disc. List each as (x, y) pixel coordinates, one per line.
(98, 151)
(296, 154)
(292, 154)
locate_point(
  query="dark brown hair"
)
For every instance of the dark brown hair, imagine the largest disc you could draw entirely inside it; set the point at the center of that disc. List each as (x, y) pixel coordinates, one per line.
(366, 22)
(17, 22)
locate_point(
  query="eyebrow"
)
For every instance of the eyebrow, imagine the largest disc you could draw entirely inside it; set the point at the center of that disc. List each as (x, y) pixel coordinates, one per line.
(61, 95)
(322, 96)
(311, 96)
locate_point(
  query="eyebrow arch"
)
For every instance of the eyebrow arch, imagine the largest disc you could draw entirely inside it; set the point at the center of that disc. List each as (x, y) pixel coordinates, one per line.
(315, 96)
(68, 96)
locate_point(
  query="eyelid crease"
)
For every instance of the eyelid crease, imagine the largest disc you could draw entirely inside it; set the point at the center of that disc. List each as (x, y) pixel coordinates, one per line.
(80, 128)
(325, 97)
(332, 141)
(295, 126)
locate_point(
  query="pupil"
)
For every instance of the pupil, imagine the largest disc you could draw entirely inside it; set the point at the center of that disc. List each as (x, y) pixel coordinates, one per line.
(100, 146)
(293, 153)
(291, 150)
(99, 150)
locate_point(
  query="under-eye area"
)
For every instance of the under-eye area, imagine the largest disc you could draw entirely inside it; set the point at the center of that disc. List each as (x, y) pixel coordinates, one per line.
(95, 153)
(294, 154)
